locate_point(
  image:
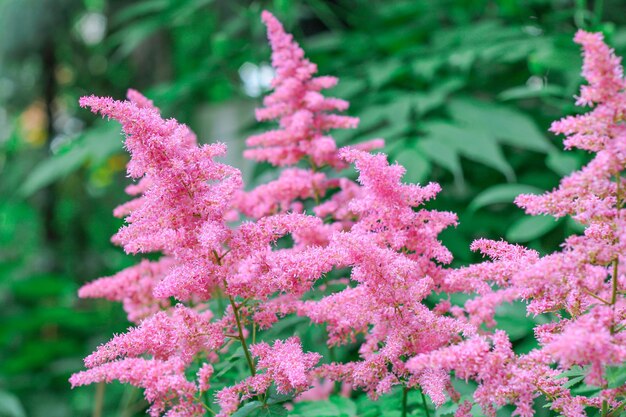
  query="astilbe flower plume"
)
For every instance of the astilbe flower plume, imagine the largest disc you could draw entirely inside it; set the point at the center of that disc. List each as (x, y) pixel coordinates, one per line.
(581, 286)
(182, 207)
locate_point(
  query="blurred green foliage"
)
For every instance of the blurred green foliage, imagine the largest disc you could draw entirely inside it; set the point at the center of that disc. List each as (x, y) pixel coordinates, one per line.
(462, 90)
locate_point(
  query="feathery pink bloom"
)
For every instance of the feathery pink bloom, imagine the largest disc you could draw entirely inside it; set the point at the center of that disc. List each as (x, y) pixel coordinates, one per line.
(286, 364)
(164, 383)
(581, 282)
(134, 287)
(181, 334)
(302, 111)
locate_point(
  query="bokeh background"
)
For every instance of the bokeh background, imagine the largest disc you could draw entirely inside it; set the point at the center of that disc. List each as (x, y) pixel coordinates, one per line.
(462, 90)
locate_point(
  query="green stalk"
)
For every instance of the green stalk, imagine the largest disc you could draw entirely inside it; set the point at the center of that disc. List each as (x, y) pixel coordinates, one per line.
(98, 402)
(405, 391)
(424, 403)
(242, 339)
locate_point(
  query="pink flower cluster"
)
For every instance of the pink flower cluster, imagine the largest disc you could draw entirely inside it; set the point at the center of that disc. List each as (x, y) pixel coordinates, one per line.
(235, 262)
(580, 288)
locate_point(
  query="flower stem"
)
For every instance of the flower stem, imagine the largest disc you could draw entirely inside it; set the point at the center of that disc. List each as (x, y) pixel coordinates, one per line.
(242, 339)
(424, 403)
(98, 402)
(405, 391)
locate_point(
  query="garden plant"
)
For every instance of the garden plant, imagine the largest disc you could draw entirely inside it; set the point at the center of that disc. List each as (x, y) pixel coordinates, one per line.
(228, 270)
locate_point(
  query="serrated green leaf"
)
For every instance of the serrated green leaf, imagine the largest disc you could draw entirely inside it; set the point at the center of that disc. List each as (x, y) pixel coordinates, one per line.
(248, 409)
(573, 382)
(575, 371)
(616, 376)
(509, 126)
(473, 143)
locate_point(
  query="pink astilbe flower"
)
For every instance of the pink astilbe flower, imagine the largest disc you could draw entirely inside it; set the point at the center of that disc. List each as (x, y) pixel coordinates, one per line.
(492, 363)
(204, 375)
(304, 116)
(181, 334)
(303, 112)
(581, 286)
(134, 287)
(286, 364)
(282, 195)
(588, 341)
(164, 383)
(187, 193)
(283, 363)
(392, 250)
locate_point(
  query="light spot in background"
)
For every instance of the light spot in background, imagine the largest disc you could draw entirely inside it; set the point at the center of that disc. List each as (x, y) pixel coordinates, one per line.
(256, 78)
(533, 30)
(5, 130)
(32, 124)
(64, 74)
(535, 82)
(92, 27)
(7, 88)
(67, 127)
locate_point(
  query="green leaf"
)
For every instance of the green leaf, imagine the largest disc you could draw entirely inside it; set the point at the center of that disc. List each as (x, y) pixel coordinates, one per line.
(346, 406)
(512, 318)
(562, 163)
(316, 409)
(140, 9)
(501, 193)
(382, 72)
(94, 145)
(529, 228)
(272, 410)
(616, 376)
(473, 143)
(442, 155)
(574, 381)
(525, 91)
(275, 397)
(53, 169)
(10, 405)
(417, 167)
(574, 371)
(510, 126)
(427, 67)
(248, 409)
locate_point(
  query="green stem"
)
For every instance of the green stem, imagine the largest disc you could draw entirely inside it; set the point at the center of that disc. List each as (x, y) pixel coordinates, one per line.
(98, 402)
(242, 339)
(424, 403)
(405, 391)
(615, 412)
(614, 289)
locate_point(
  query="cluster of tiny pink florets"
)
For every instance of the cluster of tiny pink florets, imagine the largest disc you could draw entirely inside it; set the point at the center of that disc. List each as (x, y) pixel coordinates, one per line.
(378, 235)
